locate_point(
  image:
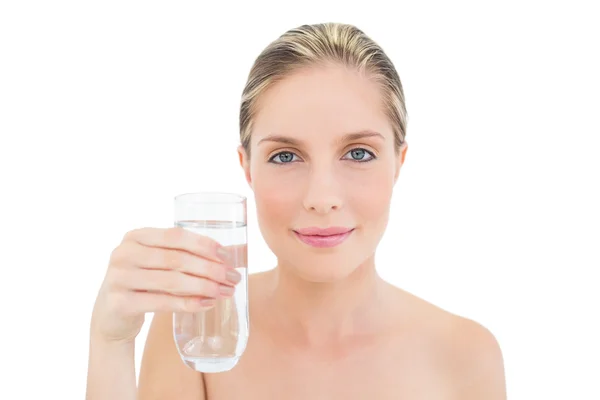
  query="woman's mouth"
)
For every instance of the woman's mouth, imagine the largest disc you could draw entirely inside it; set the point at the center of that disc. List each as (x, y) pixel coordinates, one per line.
(323, 237)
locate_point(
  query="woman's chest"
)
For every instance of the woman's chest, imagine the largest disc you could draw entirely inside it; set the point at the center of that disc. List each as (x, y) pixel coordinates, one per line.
(371, 372)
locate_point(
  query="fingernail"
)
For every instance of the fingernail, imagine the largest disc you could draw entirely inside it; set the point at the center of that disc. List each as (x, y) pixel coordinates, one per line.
(233, 276)
(226, 290)
(222, 254)
(207, 302)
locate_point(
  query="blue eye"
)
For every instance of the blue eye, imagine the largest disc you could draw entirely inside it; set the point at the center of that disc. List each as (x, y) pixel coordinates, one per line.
(360, 155)
(357, 155)
(285, 157)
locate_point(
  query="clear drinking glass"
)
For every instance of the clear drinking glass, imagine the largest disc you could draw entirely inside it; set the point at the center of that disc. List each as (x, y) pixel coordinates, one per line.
(213, 340)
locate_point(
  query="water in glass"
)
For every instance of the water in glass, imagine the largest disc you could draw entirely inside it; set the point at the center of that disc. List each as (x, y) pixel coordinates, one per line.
(214, 339)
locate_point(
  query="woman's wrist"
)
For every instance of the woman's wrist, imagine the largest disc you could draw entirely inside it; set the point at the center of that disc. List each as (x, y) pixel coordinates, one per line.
(117, 347)
(111, 370)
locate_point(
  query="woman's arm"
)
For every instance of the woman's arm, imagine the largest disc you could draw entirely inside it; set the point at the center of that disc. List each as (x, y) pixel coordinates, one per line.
(163, 375)
(111, 371)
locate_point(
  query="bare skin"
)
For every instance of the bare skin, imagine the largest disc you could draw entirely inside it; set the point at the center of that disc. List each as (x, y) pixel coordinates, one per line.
(323, 324)
(422, 352)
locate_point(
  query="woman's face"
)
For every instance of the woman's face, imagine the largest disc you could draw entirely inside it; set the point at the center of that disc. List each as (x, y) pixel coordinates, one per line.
(322, 156)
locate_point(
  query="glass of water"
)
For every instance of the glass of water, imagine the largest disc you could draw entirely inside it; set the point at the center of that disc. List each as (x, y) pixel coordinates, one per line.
(214, 339)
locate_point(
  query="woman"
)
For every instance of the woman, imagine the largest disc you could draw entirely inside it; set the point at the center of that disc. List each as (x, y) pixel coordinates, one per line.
(323, 126)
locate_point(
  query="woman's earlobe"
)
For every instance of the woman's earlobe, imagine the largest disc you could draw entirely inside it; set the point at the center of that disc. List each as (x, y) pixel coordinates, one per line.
(244, 163)
(240, 151)
(400, 160)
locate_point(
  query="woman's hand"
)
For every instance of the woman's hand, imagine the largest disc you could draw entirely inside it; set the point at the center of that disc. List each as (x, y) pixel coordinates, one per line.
(153, 269)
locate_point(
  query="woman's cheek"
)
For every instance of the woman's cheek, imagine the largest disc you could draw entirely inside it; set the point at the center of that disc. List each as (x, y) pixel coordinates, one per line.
(369, 197)
(276, 196)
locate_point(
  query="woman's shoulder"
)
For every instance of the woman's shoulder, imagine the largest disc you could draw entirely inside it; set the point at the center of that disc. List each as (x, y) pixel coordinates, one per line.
(257, 281)
(463, 347)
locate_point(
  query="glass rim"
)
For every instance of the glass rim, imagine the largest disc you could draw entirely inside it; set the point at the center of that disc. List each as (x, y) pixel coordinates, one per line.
(205, 198)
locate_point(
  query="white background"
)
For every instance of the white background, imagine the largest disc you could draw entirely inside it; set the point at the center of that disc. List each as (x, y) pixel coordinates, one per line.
(108, 109)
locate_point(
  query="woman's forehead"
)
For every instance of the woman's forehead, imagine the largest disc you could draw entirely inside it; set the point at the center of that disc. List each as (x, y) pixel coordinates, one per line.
(321, 101)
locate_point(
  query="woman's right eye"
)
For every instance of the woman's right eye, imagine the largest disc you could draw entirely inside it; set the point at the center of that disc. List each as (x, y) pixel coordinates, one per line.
(283, 157)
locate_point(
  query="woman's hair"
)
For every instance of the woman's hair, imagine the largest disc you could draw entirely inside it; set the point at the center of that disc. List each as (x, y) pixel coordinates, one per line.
(321, 44)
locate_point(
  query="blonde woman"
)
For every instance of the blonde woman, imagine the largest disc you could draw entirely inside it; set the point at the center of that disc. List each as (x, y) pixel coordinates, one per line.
(323, 139)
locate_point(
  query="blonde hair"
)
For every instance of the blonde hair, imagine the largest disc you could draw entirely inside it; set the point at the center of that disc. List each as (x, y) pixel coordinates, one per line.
(320, 44)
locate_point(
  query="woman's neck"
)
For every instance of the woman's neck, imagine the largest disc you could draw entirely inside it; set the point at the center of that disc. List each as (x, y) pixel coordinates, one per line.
(320, 314)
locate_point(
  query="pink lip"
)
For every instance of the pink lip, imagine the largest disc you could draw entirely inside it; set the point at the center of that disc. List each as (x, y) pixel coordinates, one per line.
(328, 237)
(334, 230)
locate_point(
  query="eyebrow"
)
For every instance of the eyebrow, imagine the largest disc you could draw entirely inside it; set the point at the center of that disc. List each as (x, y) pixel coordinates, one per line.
(346, 138)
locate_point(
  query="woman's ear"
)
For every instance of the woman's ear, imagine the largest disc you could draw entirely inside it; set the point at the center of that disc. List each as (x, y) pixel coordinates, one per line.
(245, 163)
(400, 159)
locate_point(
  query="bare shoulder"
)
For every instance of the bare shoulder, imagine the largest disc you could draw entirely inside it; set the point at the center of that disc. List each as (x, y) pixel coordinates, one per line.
(468, 352)
(478, 361)
(162, 373)
(259, 277)
(257, 282)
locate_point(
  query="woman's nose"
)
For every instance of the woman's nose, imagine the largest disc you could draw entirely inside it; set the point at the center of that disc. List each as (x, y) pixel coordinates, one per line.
(322, 192)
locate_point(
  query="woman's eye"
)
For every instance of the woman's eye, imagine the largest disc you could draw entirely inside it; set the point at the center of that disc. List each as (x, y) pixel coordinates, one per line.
(282, 158)
(360, 155)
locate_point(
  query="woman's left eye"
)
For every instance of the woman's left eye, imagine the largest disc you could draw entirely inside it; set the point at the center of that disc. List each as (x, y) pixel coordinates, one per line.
(360, 155)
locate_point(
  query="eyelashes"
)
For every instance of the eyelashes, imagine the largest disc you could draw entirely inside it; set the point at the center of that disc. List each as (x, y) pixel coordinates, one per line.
(358, 154)
(283, 157)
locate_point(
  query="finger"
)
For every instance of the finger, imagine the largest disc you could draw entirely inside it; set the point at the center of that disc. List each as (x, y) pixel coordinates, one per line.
(235, 255)
(171, 282)
(136, 255)
(179, 239)
(143, 302)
